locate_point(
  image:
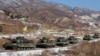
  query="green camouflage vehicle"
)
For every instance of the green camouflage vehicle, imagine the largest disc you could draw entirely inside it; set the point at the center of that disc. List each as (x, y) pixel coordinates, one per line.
(96, 35)
(20, 43)
(87, 37)
(45, 43)
(61, 41)
(72, 40)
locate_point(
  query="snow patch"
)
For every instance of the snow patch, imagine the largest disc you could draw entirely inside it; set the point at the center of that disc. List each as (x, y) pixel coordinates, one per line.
(92, 24)
(94, 40)
(1, 11)
(95, 15)
(85, 17)
(33, 52)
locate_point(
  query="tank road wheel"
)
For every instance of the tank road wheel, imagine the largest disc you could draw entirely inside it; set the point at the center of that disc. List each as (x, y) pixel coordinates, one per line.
(14, 48)
(23, 48)
(26, 48)
(30, 48)
(18, 48)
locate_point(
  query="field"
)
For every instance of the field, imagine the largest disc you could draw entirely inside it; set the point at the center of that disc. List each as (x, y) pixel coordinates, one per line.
(84, 49)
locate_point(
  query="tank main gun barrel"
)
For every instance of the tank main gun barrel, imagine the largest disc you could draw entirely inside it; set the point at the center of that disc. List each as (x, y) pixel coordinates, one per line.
(7, 38)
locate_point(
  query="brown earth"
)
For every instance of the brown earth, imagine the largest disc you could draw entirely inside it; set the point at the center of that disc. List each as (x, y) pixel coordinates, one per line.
(85, 49)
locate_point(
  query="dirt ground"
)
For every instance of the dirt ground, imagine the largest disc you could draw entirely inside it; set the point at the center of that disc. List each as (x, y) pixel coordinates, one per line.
(85, 49)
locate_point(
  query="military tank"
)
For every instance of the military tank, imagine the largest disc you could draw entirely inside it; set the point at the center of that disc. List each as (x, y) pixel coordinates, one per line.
(72, 40)
(96, 35)
(45, 43)
(87, 37)
(61, 41)
(20, 43)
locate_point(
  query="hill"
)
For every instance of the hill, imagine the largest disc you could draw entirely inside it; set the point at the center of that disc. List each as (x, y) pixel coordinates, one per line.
(39, 14)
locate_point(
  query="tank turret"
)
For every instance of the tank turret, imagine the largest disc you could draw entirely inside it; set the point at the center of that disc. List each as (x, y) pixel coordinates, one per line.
(45, 43)
(72, 40)
(20, 43)
(87, 37)
(61, 41)
(96, 35)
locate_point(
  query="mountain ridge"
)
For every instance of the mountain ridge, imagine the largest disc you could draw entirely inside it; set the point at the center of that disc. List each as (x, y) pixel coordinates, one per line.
(49, 14)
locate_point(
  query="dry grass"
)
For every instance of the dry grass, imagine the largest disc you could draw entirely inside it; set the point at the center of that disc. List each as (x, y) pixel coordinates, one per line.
(50, 36)
(46, 53)
(85, 49)
(2, 41)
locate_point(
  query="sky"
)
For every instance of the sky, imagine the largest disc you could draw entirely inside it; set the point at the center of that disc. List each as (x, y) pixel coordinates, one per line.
(91, 4)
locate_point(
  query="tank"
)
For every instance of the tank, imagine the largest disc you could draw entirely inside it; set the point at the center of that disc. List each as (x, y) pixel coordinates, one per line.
(45, 43)
(87, 37)
(72, 40)
(96, 35)
(20, 43)
(61, 41)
